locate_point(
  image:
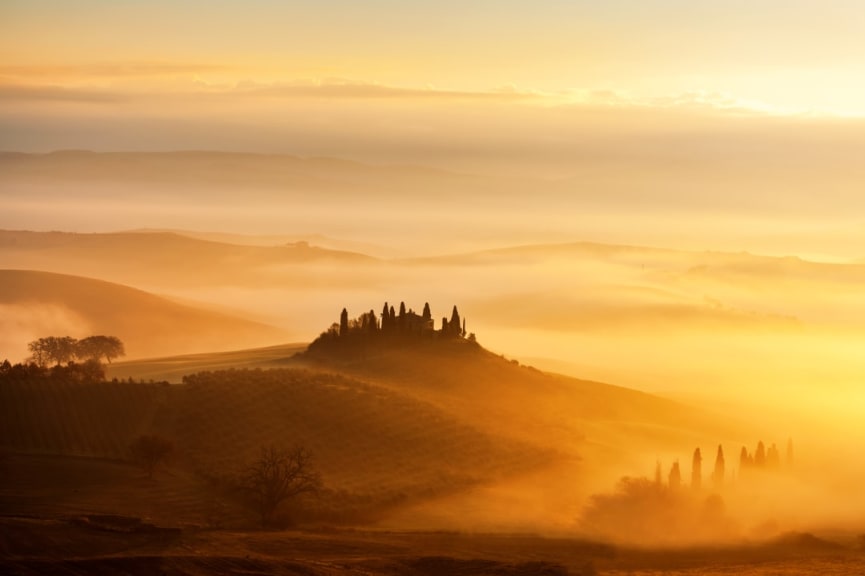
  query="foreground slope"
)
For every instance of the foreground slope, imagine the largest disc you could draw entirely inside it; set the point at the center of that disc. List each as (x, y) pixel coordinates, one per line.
(376, 448)
(37, 304)
(594, 432)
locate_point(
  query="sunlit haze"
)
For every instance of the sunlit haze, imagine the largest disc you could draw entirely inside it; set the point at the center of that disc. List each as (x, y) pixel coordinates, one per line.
(649, 213)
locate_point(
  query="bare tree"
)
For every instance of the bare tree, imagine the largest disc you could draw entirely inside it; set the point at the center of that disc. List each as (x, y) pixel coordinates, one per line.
(149, 451)
(279, 475)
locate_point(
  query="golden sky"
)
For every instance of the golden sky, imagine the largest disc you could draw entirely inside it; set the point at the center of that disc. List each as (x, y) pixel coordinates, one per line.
(777, 56)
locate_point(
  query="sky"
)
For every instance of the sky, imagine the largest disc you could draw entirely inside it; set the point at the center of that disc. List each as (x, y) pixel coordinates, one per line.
(780, 56)
(750, 108)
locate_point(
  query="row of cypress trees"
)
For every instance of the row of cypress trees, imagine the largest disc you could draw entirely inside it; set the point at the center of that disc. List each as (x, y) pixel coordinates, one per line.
(762, 459)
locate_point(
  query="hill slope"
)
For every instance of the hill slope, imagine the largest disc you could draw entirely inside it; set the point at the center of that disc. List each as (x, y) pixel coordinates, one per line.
(160, 258)
(435, 435)
(375, 447)
(37, 304)
(520, 401)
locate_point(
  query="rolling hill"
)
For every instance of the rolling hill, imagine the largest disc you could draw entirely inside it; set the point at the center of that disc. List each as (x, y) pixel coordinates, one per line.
(162, 258)
(597, 431)
(376, 448)
(37, 304)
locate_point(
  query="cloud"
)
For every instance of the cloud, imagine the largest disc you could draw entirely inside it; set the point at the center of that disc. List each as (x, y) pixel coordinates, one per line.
(690, 100)
(145, 80)
(110, 69)
(348, 89)
(57, 94)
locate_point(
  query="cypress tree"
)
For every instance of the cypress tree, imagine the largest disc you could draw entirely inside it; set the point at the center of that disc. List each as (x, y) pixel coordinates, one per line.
(718, 473)
(454, 323)
(760, 455)
(696, 470)
(343, 322)
(744, 459)
(675, 478)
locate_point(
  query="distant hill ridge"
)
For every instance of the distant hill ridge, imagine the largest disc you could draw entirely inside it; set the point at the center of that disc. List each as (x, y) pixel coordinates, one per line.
(149, 325)
(167, 258)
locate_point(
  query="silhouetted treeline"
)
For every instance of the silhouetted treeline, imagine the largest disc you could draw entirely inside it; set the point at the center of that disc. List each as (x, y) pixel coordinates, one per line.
(62, 349)
(72, 373)
(761, 459)
(654, 511)
(390, 327)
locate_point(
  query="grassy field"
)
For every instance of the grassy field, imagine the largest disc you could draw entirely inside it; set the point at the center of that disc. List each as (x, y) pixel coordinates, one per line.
(174, 368)
(376, 448)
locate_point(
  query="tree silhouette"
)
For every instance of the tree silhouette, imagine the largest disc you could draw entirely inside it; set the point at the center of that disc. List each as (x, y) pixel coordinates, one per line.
(361, 335)
(760, 455)
(454, 324)
(385, 318)
(150, 451)
(402, 316)
(745, 460)
(718, 472)
(277, 476)
(343, 323)
(57, 349)
(98, 347)
(675, 477)
(773, 458)
(696, 470)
